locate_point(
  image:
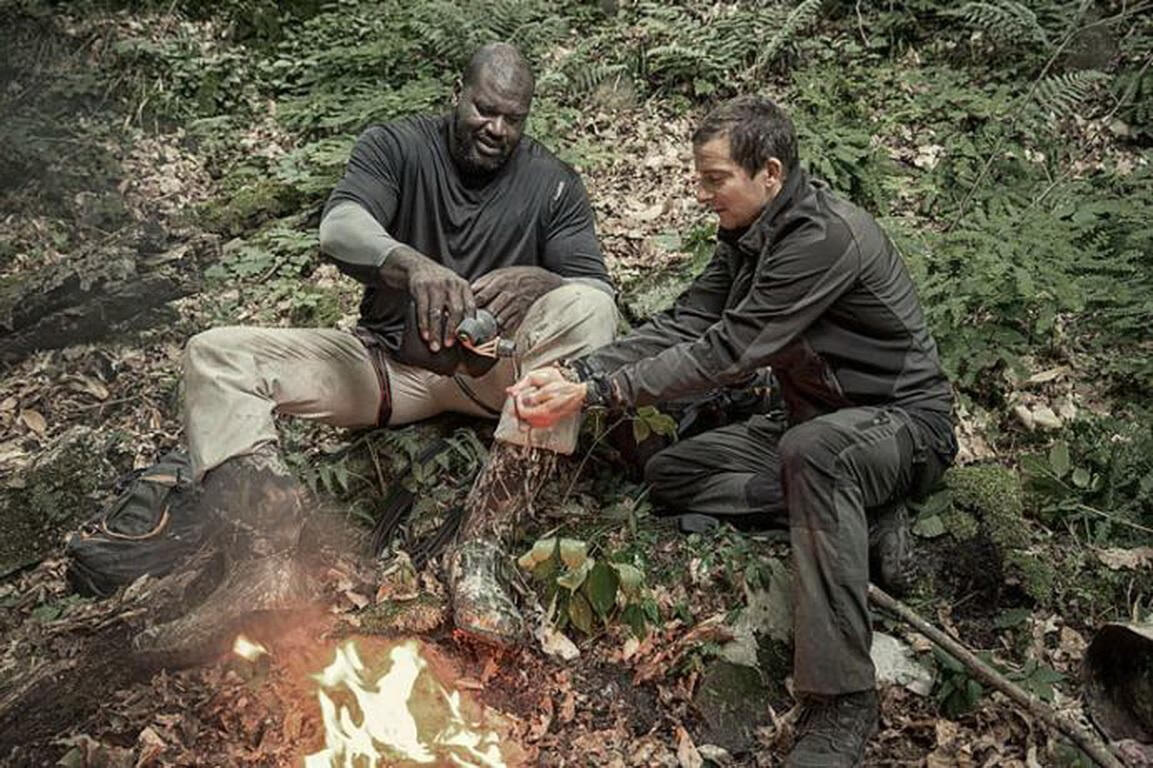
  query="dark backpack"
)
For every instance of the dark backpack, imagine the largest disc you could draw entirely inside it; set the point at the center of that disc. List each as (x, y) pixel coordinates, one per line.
(154, 525)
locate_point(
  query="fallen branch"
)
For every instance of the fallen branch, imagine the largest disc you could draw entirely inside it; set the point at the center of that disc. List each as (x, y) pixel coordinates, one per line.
(1084, 738)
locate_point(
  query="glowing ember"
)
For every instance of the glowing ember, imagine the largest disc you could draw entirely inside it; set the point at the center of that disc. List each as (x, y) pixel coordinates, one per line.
(248, 649)
(405, 715)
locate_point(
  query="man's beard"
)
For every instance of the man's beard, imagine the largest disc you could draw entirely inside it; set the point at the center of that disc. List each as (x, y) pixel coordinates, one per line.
(469, 160)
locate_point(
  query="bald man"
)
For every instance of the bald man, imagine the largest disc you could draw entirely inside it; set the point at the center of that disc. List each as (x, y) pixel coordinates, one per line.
(436, 216)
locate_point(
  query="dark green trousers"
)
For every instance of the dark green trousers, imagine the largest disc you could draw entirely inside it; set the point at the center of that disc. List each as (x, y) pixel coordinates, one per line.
(819, 477)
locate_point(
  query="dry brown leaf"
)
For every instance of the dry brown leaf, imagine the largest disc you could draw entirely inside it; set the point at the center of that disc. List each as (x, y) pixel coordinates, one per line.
(1049, 375)
(34, 421)
(89, 386)
(568, 708)
(1126, 559)
(687, 754)
(151, 747)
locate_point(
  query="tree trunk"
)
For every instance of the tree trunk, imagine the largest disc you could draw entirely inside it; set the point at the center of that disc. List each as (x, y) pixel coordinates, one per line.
(82, 300)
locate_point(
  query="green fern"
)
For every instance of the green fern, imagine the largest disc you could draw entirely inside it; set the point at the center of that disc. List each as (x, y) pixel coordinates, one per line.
(1066, 93)
(800, 17)
(1004, 20)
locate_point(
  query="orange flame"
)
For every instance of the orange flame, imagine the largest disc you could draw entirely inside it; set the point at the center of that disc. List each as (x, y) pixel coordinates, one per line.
(388, 728)
(248, 649)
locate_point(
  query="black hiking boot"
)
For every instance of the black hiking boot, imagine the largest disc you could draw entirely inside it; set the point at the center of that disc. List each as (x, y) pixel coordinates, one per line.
(833, 731)
(891, 550)
(482, 607)
(261, 507)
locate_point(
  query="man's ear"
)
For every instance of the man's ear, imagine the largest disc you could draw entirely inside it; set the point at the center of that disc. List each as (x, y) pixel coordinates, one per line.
(775, 170)
(457, 90)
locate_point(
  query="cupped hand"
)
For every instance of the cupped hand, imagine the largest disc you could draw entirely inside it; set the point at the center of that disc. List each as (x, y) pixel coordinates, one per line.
(508, 292)
(443, 298)
(545, 396)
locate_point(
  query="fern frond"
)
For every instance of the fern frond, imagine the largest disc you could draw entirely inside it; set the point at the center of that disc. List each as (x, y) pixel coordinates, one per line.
(799, 18)
(1066, 93)
(1005, 20)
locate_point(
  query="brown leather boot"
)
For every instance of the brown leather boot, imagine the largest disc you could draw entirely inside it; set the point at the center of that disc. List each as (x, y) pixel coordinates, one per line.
(833, 731)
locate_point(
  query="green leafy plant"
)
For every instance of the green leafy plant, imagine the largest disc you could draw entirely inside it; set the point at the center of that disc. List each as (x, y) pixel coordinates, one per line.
(583, 591)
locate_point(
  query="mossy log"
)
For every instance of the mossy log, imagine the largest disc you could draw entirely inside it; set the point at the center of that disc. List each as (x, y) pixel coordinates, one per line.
(83, 299)
(54, 675)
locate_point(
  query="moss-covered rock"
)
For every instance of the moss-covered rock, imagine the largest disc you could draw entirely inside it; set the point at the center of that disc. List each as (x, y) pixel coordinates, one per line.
(65, 486)
(253, 202)
(987, 515)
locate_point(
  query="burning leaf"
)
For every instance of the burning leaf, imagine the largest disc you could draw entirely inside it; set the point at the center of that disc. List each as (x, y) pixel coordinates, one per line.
(248, 649)
(34, 421)
(387, 727)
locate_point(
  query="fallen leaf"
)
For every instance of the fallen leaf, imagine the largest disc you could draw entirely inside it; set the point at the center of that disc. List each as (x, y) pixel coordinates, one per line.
(1126, 559)
(151, 747)
(357, 599)
(89, 386)
(555, 643)
(568, 708)
(469, 683)
(687, 754)
(1049, 375)
(34, 421)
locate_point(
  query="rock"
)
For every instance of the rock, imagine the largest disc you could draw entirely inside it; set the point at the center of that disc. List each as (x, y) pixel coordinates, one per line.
(896, 664)
(64, 486)
(734, 700)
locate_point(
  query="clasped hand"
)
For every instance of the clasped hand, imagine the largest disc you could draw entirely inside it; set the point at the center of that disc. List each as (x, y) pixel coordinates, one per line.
(545, 396)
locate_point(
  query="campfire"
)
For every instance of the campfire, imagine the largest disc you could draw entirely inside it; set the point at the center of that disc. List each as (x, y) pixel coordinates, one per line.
(394, 714)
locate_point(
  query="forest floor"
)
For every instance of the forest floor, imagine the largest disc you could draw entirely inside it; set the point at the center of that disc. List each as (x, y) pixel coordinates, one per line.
(706, 679)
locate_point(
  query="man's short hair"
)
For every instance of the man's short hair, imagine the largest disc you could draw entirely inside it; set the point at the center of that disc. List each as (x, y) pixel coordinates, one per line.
(757, 129)
(503, 61)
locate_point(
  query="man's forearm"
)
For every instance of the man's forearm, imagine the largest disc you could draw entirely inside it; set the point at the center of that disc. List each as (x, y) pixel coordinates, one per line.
(360, 246)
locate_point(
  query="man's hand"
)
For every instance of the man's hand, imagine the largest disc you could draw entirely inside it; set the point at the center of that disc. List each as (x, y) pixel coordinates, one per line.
(443, 298)
(508, 293)
(545, 396)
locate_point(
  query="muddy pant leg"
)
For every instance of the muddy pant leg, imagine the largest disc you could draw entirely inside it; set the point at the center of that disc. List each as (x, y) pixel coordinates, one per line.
(833, 468)
(734, 470)
(236, 379)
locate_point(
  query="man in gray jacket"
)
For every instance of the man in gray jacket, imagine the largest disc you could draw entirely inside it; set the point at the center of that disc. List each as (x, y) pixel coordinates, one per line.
(810, 285)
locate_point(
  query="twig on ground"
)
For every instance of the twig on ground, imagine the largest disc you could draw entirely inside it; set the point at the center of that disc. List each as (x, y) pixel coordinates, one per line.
(1085, 739)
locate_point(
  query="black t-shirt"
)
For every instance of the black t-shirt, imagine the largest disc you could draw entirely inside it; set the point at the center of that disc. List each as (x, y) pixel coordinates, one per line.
(533, 212)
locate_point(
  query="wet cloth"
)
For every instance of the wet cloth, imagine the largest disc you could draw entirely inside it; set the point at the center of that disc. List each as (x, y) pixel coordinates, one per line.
(238, 378)
(534, 211)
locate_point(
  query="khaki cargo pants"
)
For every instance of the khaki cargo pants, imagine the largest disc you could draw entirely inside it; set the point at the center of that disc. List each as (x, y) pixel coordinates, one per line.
(237, 379)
